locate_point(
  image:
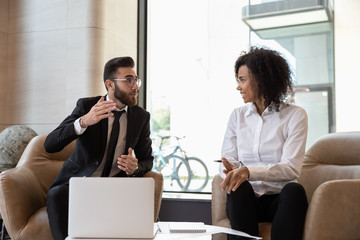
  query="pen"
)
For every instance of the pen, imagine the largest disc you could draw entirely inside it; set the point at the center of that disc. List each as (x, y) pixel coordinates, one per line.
(241, 163)
(219, 160)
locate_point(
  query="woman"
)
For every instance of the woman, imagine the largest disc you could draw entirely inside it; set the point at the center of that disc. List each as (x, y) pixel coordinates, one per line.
(263, 149)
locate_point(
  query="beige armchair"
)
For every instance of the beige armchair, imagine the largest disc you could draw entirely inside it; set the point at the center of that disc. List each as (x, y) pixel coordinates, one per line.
(23, 190)
(331, 178)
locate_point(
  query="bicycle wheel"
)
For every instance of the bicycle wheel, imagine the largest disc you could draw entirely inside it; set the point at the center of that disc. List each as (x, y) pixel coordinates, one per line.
(171, 172)
(199, 174)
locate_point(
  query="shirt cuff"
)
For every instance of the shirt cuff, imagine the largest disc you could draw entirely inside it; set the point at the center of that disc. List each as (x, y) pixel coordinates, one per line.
(256, 173)
(78, 129)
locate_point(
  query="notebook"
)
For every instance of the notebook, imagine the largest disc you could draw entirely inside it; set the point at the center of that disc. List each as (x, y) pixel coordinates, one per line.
(111, 208)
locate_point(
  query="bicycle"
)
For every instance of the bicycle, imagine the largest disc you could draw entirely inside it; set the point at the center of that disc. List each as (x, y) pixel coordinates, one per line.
(190, 173)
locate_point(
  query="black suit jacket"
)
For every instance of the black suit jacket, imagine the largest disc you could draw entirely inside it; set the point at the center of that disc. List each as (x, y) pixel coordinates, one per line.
(90, 146)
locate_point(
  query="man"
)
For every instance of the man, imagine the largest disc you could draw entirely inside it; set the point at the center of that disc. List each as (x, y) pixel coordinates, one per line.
(91, 124)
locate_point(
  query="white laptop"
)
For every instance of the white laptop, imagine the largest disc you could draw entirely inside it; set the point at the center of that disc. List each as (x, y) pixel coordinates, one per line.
(111, 208)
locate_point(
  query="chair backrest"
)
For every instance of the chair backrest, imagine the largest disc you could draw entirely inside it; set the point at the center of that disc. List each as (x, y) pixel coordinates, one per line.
(44, 165)
(332, 156)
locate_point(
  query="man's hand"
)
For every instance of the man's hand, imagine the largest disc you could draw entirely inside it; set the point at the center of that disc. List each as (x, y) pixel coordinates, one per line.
(128, 163)
(234, 176)
(102, 109)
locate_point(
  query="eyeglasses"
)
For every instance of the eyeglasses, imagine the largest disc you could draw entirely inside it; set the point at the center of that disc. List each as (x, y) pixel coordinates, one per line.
(130, 81)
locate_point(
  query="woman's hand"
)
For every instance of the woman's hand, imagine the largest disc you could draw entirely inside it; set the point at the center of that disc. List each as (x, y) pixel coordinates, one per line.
(234, 176)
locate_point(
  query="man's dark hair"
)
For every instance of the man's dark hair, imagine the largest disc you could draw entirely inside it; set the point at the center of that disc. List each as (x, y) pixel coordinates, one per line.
(271, 73)
(112, 65)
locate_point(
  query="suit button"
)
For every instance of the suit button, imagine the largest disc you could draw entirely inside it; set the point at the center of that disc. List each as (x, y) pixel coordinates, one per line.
(97, 163)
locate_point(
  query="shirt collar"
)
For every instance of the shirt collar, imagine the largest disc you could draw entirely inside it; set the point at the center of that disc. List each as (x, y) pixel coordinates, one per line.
(251, 108)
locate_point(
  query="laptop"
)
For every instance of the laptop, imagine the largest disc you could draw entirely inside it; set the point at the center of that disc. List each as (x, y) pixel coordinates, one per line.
(111, 208)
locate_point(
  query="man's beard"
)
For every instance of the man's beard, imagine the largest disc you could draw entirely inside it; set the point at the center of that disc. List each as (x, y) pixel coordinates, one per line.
(124, 98)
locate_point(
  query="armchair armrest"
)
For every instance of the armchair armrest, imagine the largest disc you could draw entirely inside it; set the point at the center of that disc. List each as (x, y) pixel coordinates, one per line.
(20, 197)
(218, 204)
(158, 178)
(334, 211)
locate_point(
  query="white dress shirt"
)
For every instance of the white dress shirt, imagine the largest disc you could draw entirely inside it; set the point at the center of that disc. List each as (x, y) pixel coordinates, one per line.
(272, 145)
(120, 145)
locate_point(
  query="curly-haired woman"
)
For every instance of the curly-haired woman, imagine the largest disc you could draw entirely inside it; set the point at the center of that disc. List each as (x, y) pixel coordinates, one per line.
(263, 149)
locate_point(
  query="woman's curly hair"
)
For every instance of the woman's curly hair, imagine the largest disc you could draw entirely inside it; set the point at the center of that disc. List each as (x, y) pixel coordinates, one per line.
(270, 71)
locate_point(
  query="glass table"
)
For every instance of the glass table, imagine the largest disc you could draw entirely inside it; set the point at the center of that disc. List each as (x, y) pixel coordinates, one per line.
(211, 233)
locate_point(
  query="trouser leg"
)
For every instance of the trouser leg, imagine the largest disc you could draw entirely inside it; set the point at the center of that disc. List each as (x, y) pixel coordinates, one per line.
(288, 222)
(57, 208)
(242, 208)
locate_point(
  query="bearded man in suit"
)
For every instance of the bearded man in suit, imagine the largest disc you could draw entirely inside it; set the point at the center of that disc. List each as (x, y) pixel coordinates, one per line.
(91, 124)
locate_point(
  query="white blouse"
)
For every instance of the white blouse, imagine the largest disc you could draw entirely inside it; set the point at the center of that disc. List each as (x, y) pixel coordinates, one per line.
(272, 145)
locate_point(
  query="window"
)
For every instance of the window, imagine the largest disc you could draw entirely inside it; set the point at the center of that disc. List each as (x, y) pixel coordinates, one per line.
(310, 52)
(191, 91)
(191, 88)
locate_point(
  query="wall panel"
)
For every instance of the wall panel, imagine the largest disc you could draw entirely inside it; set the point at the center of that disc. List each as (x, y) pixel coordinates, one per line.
(37, 71)
(37, 15)
(84, 64)
(4, 15)
(3, 74)
(56, 54)
(85, 14)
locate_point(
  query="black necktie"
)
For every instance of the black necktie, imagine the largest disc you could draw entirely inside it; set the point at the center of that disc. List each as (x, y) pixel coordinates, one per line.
(112, 144)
